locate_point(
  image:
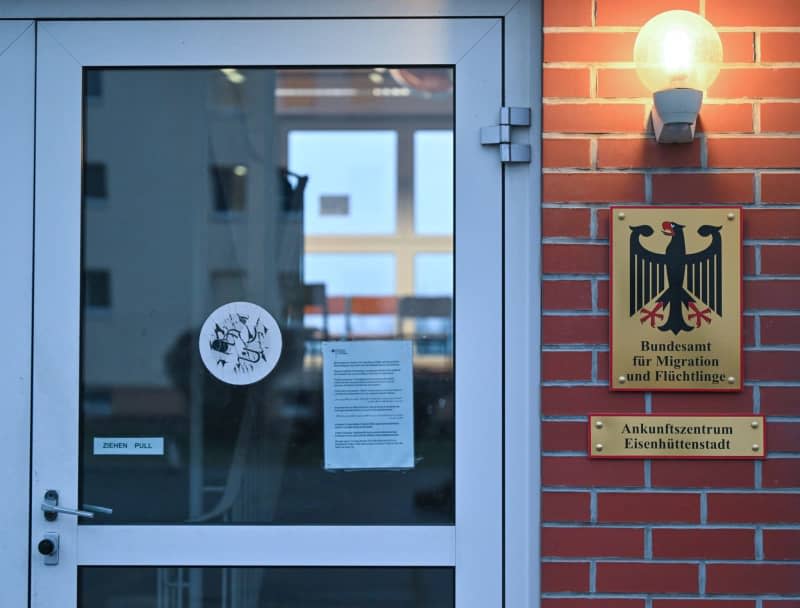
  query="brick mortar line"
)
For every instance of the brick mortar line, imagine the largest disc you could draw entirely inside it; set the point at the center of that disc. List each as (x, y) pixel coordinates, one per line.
(629, 64)
(585, 312)
(773, 242)
(604, 384)
(667, 491)
(648, 136)
(576, 240)
(689, 560)
(777, 135)
(568, 277)
(663, 596)
(701, 578)
(667, 526)
(606, 206)
(623, 29)
(790, 312)
(584, 419)
(579, 348)
(715, 101)
(571, 240)
(772, 348)
(778, 242)
(756, 118)
(575, 313)
(772, 455)
(603, 347)
(756, 47)
(773, 419)
(565, 136)
(757, 332)
(661, 171)
(765, 278)
(776, 345)
(701, 169)
(759, 543)
(757, 187)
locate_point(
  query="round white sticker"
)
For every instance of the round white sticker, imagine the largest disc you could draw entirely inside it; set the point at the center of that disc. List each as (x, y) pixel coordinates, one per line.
(240, 343)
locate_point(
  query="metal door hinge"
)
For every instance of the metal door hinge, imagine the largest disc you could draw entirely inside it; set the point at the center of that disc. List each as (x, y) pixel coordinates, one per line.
(500, 135)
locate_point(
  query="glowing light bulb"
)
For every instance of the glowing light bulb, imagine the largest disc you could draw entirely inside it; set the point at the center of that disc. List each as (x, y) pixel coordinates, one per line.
(677, 49)
(676, 55)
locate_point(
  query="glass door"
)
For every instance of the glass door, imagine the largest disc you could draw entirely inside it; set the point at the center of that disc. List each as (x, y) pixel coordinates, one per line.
(267, 314)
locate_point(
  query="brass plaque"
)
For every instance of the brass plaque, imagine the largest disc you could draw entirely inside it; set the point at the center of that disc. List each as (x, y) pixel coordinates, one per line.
(676, 298)
(649, 436)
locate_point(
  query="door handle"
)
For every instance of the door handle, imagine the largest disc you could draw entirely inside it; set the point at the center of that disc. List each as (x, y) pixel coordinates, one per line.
(98, 509)
(52, 509)
(51, 512)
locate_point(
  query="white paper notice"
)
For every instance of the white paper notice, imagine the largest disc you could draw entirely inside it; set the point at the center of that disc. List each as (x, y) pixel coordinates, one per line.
(369, 404)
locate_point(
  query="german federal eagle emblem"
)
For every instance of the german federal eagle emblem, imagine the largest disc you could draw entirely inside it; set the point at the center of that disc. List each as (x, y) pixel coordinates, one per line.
(676, 290)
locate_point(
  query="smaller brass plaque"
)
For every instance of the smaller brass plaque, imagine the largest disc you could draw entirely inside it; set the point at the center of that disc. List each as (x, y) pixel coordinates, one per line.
(648, 436)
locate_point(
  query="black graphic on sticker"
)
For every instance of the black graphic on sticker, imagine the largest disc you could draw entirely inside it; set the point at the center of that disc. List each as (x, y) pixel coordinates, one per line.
(240, 343)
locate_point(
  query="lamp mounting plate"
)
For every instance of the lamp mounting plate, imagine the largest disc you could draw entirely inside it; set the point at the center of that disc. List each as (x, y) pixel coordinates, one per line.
(675, 115)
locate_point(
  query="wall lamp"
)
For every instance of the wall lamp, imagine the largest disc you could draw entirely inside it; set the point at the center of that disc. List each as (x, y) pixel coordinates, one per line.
(678, 55)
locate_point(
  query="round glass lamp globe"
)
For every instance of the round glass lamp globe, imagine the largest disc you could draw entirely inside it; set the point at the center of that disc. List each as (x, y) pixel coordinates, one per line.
(677, 49)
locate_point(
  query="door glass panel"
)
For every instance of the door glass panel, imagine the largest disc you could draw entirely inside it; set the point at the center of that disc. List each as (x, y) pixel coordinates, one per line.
(354, 190)
(111, 587)
(296, 190)
(433, 197)
(433, 274)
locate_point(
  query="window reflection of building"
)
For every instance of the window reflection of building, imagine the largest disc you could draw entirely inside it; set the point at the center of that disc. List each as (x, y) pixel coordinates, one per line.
(219, 180)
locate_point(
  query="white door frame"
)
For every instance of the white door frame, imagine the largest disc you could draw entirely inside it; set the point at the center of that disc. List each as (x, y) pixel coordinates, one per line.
(474, 546)
(17, 52)
(522, 333)
(522, 47)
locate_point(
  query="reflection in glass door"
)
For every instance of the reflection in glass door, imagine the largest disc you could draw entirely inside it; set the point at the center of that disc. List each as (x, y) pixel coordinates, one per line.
(266, 587)
(325, 197)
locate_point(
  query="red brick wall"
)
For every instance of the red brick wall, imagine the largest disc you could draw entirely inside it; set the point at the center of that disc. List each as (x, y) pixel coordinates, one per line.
(669, 534)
